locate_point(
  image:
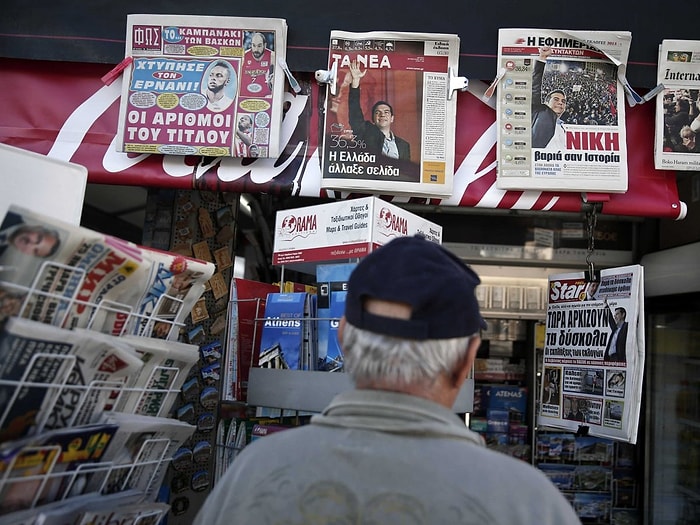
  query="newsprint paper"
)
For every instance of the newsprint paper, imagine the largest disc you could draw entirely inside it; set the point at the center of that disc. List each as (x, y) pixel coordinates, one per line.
(594, 353)
(677, 110)
(561, 110)
(390, 126)
(203, 85)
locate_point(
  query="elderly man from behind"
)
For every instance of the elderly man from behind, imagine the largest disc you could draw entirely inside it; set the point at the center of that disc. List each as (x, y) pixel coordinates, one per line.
(391, 450)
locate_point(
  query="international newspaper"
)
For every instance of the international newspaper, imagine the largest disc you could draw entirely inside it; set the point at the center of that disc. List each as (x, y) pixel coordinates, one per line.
(594, 353)
(676, 146)
(203, 85)
(561, 110)
(389, 114)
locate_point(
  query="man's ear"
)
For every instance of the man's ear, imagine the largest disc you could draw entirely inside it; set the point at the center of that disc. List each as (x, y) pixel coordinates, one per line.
(468, 361)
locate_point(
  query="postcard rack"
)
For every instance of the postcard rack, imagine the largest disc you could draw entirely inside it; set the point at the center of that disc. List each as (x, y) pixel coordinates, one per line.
(127, 320)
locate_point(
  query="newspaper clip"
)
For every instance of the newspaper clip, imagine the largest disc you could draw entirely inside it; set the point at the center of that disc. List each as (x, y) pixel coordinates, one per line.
(330, 77)
(461, 83)
(292, 81)
(110, 77)
(490, 90)
(655, 91)
(633, 98)
(582, 431)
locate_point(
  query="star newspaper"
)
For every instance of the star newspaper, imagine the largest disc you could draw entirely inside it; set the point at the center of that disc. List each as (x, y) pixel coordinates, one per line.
(561, 110)
(203, 85)
(390, 119)
(594, 353)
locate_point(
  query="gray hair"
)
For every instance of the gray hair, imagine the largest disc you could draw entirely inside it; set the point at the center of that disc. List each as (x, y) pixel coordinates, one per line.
(376, 357)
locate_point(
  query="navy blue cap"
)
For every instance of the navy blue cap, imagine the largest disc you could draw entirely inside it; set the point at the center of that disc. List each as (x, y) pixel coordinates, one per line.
(437, 285)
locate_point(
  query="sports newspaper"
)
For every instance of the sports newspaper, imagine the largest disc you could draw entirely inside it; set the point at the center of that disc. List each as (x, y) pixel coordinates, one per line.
(401, 92)
(561, 110)
(202, 85)
(676, 146)
(594, 353)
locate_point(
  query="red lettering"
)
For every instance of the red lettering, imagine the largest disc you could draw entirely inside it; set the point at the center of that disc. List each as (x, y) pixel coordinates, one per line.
(98, 273)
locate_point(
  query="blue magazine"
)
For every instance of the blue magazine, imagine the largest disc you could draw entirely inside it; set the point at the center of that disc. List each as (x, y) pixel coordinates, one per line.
(285, 339)
(331, 283)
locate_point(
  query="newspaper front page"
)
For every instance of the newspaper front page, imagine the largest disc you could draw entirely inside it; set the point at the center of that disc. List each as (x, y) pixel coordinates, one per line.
(390, 125)
(203, 85)
(561, 110)
(594, 353)
(74, 277)
(676, 146)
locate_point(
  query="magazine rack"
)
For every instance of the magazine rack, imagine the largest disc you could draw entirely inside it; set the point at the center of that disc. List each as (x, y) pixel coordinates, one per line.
(104, 477)
(42, 479)
(68, 301)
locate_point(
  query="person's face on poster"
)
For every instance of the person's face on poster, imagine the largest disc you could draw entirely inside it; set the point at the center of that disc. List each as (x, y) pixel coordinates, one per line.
(218, 77)
(35, 241)
(557, 102)
(257, 46)
(383, 117)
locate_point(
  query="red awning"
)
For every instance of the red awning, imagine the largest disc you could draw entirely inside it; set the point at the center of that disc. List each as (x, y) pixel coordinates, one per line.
(63, 110)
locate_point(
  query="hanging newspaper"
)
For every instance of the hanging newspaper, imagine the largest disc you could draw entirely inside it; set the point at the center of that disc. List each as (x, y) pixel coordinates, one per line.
(203, 85)
(676, 146)
(389, 114)
(561, 111)
(594, 353)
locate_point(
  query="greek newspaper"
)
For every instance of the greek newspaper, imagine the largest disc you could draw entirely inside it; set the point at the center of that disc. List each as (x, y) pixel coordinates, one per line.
(203, 85)
(561, 111)
(676, 146)
(74, 277)
(594, 353)
(390, 119)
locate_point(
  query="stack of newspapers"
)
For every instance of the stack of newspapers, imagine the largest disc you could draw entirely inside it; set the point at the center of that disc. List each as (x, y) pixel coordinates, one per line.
(90, 371)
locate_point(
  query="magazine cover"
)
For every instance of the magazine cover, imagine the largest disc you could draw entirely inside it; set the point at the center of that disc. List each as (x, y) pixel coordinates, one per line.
(284, 341)
(41, 470)
(678, 107)
(594, 353)
(202, 85)
(561, 110)
(390, 123)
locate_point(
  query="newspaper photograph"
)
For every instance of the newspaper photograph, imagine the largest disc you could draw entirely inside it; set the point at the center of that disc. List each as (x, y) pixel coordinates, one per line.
(389, 118)
(594, 353)
(202, 85)
(676, 146)
(561, 110)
